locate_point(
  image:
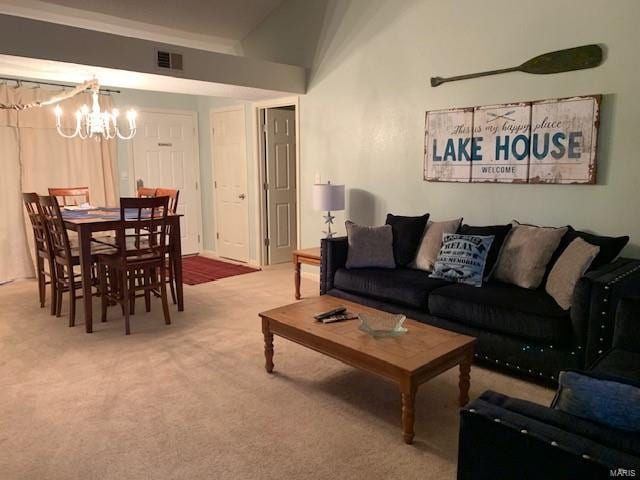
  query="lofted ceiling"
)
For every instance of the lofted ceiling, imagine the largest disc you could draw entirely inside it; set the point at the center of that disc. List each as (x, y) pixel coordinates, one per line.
(231, 19)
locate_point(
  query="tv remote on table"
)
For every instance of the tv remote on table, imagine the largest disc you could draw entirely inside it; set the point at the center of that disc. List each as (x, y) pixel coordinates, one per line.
(329, 313)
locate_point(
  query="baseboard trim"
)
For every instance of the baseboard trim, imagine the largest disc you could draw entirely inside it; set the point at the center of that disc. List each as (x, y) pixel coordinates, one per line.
(215, 256)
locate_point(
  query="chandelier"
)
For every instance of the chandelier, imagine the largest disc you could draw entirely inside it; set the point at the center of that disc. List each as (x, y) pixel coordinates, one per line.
(93, 123)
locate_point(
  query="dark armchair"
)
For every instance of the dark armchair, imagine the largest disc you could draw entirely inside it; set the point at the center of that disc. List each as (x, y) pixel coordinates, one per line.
(503, 437)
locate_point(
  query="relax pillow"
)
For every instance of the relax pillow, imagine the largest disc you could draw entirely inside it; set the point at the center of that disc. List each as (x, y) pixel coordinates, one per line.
(369, 246)
(601, 400)
(526, 253)
(432, 241)
(568, 269)
(499, 234)
(462, 259)
(407, 233)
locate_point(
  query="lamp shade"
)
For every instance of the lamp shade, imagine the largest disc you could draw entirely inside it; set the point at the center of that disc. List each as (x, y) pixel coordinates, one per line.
(328, 197)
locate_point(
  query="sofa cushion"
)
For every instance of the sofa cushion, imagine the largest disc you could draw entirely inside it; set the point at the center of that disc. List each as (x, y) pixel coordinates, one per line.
(504, 308)
(619, 363)
(407, 233)
(499, 233)
(402, 286)
(526, 253)
(369, 246)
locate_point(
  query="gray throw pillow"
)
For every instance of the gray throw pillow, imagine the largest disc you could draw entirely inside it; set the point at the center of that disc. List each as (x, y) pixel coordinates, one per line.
(600, 400)
(462, 258)
(369, 246)
(526, 253)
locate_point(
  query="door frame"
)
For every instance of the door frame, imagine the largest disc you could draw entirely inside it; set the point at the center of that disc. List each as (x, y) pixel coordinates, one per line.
(230, 108)
(260, 177)
(196, 151)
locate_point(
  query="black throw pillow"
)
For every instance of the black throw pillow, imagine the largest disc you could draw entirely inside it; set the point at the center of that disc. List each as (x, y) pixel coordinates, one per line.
(610, 248)
(407, 234)
(499, 233)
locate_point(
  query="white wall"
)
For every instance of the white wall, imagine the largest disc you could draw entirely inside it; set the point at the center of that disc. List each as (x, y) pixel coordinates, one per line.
(362, 119)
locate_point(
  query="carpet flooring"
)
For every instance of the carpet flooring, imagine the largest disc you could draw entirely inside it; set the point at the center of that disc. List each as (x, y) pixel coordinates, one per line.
(192, 400)
(197, 270)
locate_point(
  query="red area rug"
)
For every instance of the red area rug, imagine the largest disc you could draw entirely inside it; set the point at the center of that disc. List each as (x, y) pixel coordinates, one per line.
(196, 270)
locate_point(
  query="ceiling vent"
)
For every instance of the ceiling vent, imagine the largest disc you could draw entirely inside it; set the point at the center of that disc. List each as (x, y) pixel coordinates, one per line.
(168, 60)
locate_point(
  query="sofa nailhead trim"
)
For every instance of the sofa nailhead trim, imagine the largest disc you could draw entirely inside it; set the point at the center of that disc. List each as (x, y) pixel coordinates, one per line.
(523, 431)
(497, 420)
(472, 410)
(585, 456)
(554, 444)
(600, 352)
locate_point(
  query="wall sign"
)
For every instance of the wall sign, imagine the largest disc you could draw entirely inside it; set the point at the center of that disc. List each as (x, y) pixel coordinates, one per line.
(547, 141)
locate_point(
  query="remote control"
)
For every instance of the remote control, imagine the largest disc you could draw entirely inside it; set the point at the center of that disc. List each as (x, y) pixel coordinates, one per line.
(329, 313)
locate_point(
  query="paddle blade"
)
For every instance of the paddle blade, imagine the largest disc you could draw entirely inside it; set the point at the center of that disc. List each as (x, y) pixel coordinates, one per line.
(578, 58)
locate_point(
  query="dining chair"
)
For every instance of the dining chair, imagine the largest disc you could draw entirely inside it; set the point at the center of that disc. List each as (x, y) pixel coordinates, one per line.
(146, 192)
(71, 196)
(140, 261)
(65, 256)
(43, 250)
(173, 195)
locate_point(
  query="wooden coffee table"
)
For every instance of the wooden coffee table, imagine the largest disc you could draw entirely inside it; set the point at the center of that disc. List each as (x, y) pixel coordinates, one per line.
(408, 360)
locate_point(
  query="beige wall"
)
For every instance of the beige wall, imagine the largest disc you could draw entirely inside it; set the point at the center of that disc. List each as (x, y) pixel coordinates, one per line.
(362, 120)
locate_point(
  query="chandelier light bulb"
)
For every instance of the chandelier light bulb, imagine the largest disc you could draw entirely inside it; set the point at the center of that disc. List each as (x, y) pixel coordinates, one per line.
(57, 111)
(132, 115)
(84, 109)
(115, 112)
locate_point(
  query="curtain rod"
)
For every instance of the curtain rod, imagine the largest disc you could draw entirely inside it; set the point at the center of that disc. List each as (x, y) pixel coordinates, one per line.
(19, 80)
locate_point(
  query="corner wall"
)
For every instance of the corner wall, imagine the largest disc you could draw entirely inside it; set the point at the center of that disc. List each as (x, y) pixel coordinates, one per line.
(362, 119)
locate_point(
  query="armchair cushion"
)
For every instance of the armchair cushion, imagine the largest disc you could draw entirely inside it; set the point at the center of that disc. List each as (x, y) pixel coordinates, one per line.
(601, 400)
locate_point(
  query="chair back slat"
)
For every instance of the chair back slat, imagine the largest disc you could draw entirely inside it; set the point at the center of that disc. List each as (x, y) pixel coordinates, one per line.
(68, 196)
(40, 232)
(145, 227)
(173, 195)
(55, 225)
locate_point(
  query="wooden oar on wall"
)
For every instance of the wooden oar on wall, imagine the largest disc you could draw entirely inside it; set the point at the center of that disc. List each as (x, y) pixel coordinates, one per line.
(567, 60)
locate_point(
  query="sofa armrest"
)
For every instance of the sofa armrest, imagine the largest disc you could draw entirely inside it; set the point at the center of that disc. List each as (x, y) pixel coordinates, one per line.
(333, 256)
(499, 442)
(626, 333)
(595, 301)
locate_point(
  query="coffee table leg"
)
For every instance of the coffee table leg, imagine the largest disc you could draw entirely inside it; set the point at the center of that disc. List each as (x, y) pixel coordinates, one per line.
(268, 346)
(408, 400)
(465, 380)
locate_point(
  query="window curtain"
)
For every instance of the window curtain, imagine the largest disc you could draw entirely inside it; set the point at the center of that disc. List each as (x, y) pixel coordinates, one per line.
(35, 157)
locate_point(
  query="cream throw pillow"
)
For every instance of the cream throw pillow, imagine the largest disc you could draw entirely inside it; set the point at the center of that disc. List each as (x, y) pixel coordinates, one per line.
(526, 253)
(568, 269)
(432, 241)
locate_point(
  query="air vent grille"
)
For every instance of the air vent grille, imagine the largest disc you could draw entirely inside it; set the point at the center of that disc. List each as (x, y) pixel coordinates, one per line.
(169, 60)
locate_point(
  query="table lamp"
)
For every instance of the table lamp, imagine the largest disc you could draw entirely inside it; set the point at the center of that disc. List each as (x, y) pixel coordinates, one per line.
(330, 198)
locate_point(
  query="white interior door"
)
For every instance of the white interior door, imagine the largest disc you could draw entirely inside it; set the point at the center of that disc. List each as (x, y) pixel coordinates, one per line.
(230, 183)
(280, 155)
(164, 155)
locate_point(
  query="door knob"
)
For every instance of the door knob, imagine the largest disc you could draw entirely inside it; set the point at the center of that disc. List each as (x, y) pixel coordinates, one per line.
(242, 196)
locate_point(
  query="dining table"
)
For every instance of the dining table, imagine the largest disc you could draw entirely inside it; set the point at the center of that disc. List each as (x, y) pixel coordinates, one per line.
(104, 219)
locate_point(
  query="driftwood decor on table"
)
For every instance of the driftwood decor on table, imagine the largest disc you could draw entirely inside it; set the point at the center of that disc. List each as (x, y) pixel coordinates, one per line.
(545, 141)
(567, 60)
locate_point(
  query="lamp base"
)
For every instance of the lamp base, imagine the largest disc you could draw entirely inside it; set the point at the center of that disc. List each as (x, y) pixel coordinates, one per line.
(328, 220)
